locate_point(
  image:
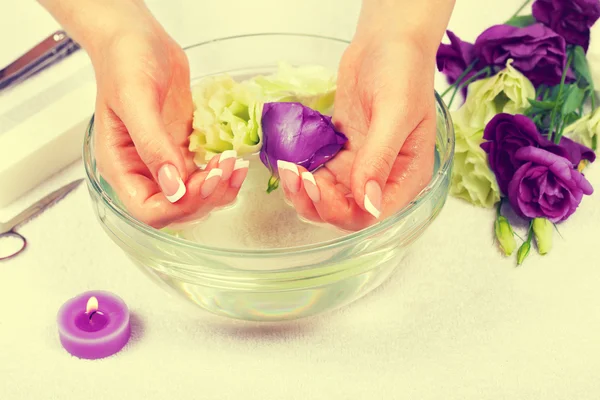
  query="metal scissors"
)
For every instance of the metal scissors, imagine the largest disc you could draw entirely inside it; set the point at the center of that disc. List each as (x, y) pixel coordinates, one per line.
(7, 229)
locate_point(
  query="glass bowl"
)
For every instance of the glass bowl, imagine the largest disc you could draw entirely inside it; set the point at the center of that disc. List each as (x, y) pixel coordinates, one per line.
(282, 283)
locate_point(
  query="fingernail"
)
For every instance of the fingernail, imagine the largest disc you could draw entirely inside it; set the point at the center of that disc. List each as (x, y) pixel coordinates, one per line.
(310, 185)
(227, 160)
(240, 171)
(289, 175)
(170, 183)
(373, 198)
(210, 183)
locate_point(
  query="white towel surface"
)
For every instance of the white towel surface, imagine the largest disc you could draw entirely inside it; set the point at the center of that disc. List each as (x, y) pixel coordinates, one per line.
(457, 320)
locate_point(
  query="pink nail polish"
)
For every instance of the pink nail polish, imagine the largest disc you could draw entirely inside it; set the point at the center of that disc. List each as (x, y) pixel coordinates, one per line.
(310, 186)
(170, 183)
(211, 182)
(373, 198)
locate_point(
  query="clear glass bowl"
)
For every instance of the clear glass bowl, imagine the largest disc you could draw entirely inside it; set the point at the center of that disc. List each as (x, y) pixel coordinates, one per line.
(283, 283)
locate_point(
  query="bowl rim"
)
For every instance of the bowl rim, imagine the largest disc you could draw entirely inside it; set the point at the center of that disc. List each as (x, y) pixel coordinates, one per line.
(446, 160)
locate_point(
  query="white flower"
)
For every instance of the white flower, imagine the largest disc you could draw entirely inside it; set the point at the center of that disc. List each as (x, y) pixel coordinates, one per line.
(472, 178)
(507, 92)
(585, 128)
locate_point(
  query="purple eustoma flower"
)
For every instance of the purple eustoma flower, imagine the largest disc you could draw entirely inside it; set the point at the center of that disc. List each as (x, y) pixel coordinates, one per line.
(538, 52)
(506, 134)
(572, 19)
(454, 58)
(546, 186)
(298, 134)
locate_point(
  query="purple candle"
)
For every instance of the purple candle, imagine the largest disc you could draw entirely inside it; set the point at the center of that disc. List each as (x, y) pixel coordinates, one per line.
(94, 325)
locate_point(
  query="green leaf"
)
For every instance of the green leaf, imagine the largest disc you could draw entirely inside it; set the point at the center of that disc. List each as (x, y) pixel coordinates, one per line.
(581, 66)
(542, 105)
(554, 92)
(521, 21)
(573, 100)
(570, 118)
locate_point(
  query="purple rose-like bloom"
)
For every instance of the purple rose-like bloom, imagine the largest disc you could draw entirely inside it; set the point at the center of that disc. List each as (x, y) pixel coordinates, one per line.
(576, 151)
(546, 186)
(572, 19)
(538, 52)
(507, 133)
(454, 58)
(298, 134)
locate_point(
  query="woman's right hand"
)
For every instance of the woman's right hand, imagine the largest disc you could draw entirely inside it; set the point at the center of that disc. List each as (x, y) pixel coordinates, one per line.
(143, 118)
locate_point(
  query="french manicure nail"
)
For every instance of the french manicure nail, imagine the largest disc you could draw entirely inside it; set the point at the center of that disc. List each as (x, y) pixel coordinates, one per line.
(240, 171)
(288, 172)
(170, 183)
(210, 183)
(310, 186)
(226, 163)
(373, 198)
(240, 163)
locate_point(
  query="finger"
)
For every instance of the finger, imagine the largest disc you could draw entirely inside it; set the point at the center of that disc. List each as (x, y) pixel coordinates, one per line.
(238, 176)
(122, 168)
(391, 123)
(138, 107)
(413, 169)
(337, 208)
(307, 192)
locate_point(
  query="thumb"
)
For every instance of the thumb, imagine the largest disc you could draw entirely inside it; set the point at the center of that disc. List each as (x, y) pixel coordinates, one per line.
(387, 133)
(139, 110)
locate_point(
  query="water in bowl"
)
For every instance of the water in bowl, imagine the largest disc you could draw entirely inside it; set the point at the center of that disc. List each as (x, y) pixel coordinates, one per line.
(256, 220)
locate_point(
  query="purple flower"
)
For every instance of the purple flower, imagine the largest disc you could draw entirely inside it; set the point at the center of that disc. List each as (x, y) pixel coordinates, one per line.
(576, 151)
(507, 133)
(572, 19)
(454, 58)
(298, 134)
(537, 51)
(546, 186)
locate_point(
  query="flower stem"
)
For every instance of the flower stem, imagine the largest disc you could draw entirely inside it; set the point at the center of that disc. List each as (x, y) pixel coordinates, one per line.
(555, 108)
(460, 77)
(486, 71)
(499, 208)
(521, 8)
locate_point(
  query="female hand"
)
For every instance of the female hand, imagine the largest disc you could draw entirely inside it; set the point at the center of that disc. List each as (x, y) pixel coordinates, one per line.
(143, 119)
(385, 105)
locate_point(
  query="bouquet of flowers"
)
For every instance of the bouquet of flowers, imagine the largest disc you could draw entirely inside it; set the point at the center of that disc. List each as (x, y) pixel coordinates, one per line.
(529, 125)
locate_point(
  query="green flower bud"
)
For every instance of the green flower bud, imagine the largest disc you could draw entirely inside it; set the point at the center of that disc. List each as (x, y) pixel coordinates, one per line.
(505, 235)
(523, 252)
(542, 228)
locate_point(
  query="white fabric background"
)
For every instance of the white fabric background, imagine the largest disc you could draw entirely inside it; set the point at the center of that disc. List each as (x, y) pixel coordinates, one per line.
(457, 321)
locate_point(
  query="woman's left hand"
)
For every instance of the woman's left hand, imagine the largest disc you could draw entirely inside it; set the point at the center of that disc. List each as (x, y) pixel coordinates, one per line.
(385, 105)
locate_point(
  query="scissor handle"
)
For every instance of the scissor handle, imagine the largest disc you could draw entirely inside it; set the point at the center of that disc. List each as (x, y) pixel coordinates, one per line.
(13, 235)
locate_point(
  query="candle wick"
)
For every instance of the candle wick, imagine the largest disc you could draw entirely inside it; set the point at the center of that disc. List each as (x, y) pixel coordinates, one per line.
(92, 314)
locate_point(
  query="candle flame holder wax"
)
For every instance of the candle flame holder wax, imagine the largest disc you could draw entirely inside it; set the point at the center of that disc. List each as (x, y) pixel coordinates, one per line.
(94, 325)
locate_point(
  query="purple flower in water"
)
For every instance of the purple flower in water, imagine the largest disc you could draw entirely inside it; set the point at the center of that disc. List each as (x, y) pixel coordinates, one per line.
(506, 134)
(538, 52)
(546, 186)
(572, 19)
(454, 58)
(298, 134)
